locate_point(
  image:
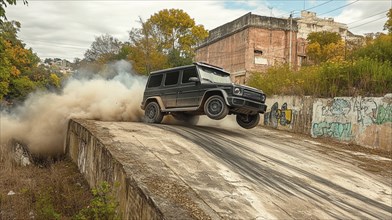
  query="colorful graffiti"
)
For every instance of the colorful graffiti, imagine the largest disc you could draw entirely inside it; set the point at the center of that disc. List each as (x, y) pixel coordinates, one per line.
(384, 114)
(276, 116)
(341, 131)
(349, 118)
(336, 107)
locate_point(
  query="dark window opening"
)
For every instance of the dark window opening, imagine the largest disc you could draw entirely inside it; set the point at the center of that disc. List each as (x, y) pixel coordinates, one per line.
(188, 73)
(171, 78)
(259, 52)
(155, 81)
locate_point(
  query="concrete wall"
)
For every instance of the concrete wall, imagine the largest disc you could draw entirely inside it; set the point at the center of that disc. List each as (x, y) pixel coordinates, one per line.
(366, 121)
(96, 162)
(293, 113)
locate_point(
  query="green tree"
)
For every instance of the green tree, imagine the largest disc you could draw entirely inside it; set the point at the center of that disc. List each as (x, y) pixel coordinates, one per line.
(388, 23)
(379, 49)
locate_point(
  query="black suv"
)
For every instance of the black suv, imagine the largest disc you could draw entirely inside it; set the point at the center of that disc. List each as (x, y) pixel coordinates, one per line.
(200, 89)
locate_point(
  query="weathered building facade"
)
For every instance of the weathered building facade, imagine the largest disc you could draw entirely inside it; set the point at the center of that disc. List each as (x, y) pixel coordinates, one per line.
(250, 43)
(309, 22)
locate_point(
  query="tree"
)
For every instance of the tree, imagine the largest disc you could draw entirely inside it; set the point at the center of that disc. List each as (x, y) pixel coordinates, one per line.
(104, 46)
(19, 73)
(176, 33)
(380, 49)
(3, 5)
(388, 23)
(144, 51)
(324, 46)
(167, 39)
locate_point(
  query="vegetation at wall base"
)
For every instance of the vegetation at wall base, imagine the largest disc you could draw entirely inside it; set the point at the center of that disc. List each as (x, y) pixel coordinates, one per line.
(102, 206)
(52, 191)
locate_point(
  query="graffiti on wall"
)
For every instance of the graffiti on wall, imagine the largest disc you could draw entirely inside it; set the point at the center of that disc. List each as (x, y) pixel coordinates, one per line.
(276, 116)
(338, 115)
(341, 131)
(366, 111)
(384, 114)
(336, 107)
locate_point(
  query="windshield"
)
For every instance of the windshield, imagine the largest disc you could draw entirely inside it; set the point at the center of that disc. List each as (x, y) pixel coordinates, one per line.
(210, 75)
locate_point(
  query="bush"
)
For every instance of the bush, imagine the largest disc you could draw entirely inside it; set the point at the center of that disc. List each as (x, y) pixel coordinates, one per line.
(103, 205)
(364, 76)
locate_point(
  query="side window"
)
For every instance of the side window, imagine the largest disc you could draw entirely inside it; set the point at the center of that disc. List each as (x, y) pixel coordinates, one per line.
(188, 73)
(155, 81)
(171, 78)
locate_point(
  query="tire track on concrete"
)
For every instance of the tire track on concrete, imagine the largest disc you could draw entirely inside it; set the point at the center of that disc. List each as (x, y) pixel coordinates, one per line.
(231, 152)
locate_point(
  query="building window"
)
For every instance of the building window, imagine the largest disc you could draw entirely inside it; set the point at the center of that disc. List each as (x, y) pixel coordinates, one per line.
(259, 59)
(258, 52)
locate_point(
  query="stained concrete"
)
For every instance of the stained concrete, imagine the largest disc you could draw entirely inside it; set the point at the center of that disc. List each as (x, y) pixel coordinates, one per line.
(200, 172)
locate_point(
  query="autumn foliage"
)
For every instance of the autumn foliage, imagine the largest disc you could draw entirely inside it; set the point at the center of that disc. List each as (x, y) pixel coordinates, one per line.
(366, 71)
(19, 70)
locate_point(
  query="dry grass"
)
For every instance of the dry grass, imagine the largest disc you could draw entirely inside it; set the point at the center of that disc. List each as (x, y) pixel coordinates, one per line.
(56, 190)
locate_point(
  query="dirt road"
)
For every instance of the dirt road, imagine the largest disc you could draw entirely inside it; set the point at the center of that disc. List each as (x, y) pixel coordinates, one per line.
(267, 174)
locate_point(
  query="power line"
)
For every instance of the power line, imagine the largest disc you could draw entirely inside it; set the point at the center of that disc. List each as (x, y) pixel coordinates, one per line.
(316, 6)
(367, 22)
(368, 17)
(339, 7)
(319, 5)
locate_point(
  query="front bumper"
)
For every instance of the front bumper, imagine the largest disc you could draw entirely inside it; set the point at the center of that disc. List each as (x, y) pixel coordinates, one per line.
(245, 106)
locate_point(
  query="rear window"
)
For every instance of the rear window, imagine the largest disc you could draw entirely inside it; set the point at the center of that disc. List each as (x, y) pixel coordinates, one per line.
(155, 81)
(171, 78)
(188, 73)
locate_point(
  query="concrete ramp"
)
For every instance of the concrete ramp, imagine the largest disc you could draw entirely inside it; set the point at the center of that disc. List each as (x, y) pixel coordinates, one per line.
(179, 172)
(145, 187)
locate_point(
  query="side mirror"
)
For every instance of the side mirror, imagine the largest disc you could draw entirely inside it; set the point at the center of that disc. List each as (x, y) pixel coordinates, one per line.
(193, 79)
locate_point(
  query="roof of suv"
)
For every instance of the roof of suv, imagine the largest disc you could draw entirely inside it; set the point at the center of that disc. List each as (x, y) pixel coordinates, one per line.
(187, 66)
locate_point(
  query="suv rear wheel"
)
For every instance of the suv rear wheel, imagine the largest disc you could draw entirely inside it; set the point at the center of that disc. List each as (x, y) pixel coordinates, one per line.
(153, 113)
(215, 107)
(248, 121)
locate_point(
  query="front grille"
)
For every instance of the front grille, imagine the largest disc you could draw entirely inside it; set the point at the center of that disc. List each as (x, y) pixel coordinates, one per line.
(254, 105)
(252, 95)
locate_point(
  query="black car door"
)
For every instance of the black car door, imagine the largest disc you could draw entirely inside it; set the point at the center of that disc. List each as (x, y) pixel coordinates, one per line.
(189, 93)
(169, 91)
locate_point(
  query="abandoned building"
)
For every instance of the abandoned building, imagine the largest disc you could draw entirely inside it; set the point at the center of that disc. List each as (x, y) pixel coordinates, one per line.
(250, 43)
(309, 22)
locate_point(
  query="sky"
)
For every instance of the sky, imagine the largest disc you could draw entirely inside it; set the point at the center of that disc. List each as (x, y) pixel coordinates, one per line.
(66, 28)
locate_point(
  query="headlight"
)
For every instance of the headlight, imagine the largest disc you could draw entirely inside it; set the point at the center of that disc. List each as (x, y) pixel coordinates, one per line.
(263, 98)
(237, 91)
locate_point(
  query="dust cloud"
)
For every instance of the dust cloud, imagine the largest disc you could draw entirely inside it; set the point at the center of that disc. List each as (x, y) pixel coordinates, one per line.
(41, 121)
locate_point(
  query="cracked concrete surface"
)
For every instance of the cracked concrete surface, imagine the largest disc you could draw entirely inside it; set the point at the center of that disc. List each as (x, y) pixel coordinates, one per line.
(217, 173)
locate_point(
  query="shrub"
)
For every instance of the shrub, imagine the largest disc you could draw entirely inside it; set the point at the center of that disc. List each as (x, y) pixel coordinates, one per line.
(102, 206)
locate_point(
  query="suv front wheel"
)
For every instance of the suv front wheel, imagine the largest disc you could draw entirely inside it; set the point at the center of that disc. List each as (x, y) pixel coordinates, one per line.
(215, 107)
(153, 113)
(248, 121)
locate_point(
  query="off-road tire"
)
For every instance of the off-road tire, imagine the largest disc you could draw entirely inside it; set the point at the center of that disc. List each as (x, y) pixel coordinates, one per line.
(248, 121)
(215, 107)
(152, 113)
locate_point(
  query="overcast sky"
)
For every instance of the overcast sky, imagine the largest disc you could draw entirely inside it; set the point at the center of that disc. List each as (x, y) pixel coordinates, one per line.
(66, 29)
